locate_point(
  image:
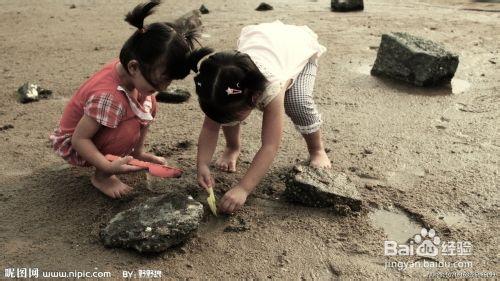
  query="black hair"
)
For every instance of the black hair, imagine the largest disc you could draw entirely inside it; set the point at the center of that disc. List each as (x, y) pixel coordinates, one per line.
(223, 70)
(160, 44)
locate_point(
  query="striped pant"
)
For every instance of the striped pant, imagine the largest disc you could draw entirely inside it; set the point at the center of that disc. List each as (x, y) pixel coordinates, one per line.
(299, 103)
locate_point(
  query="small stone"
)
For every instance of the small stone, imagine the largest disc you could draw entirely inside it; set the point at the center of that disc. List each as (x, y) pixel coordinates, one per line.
(346, 5)
(6, 127)
(73, 6)
(232, 228)
(173, 96)
(184, 145)
(264, 7)
(414, 60)
(30, 92)
(155, 225)
(322, 188)
(367, 151)
(204, 10)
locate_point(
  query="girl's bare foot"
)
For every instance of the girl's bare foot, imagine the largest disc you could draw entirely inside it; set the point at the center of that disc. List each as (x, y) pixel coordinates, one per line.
(319, 159)
(110, 185)
(228, 159)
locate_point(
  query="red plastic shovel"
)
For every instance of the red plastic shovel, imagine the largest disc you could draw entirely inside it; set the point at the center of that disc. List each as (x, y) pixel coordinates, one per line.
(156, 170)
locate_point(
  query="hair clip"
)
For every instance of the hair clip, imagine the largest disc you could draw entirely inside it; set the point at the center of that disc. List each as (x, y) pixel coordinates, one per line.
(231, 91)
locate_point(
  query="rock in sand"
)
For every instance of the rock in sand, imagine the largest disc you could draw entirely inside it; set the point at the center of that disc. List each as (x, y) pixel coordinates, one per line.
(155, 225)
(347, 5)
(414, 60)
(204, 10)
(321, 188)
(32, 92)
(190, 20)
(173, 95)
(264, 7)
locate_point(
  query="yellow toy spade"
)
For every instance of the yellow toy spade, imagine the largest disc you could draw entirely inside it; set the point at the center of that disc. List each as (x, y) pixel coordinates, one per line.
(211, 201)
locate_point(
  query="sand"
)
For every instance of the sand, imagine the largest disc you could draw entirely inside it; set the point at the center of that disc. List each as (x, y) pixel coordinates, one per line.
(434, 152)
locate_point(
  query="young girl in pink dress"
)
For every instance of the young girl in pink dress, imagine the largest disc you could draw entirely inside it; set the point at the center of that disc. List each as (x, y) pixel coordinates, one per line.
(111, 112)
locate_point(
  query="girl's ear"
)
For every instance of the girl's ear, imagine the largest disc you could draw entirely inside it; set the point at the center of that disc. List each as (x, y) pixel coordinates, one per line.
(133, 67)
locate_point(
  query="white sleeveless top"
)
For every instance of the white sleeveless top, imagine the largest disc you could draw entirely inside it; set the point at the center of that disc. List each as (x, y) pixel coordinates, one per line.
(280, 51)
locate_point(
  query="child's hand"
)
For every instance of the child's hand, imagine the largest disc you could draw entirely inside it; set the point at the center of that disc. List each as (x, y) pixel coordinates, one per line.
(120, 166)
(148, 157)
(233, 199)
(205, 178)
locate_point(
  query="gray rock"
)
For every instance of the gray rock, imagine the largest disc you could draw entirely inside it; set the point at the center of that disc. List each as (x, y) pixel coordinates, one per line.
(415, 60)
(30, 92)
(189, 21)
(347, 5)
(321, 188)
(154, 225)
(173, 96)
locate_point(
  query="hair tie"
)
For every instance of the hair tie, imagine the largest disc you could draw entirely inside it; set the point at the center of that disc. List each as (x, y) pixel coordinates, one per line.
(202, 60)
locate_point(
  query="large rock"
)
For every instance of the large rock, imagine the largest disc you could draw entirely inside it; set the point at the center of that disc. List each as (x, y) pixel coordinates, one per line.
(346, 5)
(415, 60)
(321, 188)
(154, 225)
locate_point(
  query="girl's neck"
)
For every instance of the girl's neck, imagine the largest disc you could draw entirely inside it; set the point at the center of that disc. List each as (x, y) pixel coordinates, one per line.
(125, 80)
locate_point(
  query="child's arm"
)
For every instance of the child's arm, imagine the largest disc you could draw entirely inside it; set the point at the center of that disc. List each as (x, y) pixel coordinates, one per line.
(141, 154)
(207, 143)
(272, 130)
(82, 143)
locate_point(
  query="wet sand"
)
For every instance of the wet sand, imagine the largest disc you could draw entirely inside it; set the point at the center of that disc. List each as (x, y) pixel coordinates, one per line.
(434, 160)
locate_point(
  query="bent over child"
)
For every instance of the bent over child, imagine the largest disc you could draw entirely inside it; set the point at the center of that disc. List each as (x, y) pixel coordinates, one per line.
(273, 70)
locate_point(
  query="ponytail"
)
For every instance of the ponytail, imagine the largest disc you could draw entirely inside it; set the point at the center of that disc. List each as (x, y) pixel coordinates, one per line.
(161, 44)
(140, 12)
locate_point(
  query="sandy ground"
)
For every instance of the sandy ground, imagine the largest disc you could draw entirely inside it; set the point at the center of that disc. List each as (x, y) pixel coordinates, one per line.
(434, 161)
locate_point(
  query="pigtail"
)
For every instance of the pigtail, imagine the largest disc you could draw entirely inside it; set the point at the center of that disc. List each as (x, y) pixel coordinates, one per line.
(189, 33)
(140, 12)
(194, 57)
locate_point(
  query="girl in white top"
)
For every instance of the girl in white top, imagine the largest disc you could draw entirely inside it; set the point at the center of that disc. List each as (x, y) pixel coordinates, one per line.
(273, 70)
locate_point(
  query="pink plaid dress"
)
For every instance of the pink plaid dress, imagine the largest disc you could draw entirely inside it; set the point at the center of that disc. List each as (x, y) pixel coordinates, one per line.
(120, 115)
